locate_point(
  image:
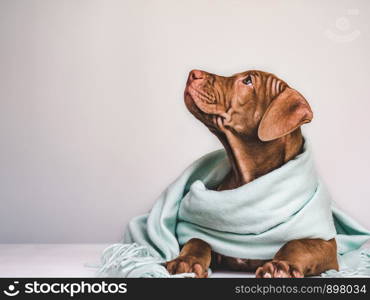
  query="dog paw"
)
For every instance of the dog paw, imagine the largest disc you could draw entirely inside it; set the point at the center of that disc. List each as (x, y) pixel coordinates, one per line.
(187, 264)
(278, 269)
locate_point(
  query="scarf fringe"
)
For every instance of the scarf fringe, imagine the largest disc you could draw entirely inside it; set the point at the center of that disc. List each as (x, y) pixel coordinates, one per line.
(133, 260)
(362, 270)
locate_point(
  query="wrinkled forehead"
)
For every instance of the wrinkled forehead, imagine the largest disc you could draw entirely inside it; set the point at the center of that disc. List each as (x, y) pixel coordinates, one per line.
(261, 78)
(257, 73)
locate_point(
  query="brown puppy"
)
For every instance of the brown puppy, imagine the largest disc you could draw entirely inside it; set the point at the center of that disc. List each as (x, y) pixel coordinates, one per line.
(257, 118)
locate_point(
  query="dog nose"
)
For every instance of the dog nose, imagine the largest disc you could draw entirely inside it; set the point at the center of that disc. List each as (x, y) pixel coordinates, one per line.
(196, 74)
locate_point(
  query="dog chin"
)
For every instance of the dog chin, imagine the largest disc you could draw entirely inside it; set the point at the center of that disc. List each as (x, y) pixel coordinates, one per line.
(191, 105)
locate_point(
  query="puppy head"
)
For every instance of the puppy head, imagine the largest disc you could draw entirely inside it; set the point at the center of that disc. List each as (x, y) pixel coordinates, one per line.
(252, 103)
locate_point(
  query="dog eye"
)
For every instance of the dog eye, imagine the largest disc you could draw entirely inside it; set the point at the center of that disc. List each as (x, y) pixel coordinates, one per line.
(248, 80)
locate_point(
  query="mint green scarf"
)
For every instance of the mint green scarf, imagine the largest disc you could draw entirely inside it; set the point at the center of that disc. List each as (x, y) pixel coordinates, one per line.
(252, 221)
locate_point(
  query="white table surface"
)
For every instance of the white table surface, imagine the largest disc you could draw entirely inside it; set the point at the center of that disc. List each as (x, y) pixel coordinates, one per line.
(59, 260)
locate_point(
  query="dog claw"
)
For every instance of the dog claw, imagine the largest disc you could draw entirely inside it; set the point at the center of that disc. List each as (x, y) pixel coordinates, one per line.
(279, 274)
(297, 274)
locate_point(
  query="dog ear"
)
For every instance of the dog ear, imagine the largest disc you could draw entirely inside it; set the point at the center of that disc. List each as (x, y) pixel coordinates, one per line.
(286, 113)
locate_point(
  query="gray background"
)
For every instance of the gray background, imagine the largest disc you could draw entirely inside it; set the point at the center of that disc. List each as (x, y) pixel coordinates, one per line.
(92, 121)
